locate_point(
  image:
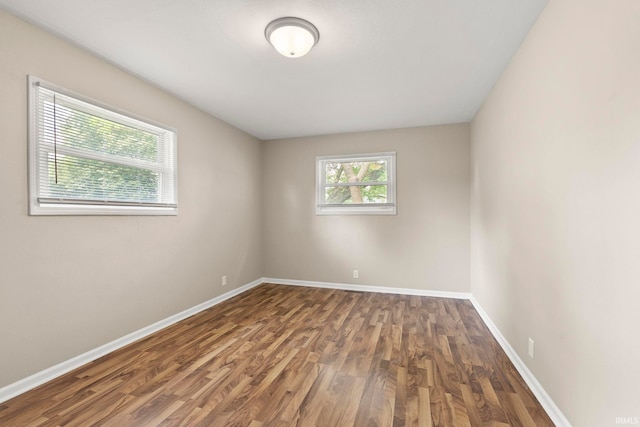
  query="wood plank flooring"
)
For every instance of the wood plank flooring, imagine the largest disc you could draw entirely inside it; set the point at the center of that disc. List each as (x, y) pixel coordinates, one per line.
(292, 356)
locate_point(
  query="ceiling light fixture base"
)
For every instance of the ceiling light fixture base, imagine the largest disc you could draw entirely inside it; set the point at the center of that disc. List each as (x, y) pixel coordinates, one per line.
(292, 37)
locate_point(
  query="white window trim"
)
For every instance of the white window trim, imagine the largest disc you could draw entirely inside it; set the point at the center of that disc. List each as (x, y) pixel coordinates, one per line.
(388, 208)
(50, 207)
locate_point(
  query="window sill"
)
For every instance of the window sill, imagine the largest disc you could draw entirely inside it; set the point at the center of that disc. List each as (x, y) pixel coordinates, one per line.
(356, 210)
(53, 209)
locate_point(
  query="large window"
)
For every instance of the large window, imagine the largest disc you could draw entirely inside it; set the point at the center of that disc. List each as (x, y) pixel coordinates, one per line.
(89, 159)
(357, 184)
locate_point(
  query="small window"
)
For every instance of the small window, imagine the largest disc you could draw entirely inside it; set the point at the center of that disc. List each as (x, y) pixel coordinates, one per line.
(357, 184)
(89, 159)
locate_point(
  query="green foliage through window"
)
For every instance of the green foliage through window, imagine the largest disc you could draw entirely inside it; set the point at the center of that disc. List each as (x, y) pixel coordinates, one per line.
(356, 173)
(356, 184)
(80, 178)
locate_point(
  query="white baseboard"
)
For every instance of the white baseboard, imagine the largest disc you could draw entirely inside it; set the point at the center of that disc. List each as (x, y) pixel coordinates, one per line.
(368, 288)
(39, 378)
(543, 397)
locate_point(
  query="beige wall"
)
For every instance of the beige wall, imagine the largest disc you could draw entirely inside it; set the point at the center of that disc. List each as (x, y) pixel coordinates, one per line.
(70, 284)
(556, 206)
(426, 246)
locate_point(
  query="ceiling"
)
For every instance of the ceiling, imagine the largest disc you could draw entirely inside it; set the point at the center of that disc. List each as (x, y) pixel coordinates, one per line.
(379, 64)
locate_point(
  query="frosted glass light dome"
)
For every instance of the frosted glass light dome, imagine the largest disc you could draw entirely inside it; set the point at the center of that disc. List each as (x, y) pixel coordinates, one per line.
(292, 37)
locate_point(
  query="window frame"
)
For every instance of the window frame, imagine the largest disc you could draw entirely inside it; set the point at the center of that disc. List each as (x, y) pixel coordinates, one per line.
(41, 205)
(389, 208)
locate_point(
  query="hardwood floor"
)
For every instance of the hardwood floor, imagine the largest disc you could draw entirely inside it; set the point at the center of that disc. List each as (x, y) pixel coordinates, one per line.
(284, 356)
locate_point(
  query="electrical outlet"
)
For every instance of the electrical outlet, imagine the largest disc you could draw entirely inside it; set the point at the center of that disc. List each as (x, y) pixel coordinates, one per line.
(224, 280)
(530, 348)
(355, 274)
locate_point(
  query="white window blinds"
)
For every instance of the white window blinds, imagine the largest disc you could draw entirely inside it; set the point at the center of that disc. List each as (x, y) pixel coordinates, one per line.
(88, 158)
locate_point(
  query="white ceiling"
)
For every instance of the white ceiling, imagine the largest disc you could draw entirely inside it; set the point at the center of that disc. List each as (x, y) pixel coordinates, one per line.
(379, 64)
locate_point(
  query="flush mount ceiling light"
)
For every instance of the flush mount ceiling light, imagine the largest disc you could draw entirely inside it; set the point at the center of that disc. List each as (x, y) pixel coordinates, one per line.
(292, 37)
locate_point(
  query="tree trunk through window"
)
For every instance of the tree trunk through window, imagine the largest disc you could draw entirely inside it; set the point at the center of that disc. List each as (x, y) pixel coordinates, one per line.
(355, 190)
